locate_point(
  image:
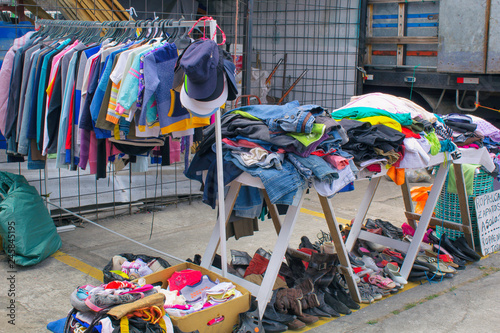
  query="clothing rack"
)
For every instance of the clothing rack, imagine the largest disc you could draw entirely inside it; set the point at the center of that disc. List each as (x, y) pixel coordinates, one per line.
(166, 24)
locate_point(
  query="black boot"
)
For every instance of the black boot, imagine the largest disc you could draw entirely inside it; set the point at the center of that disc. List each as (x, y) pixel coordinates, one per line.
(338, 292)
(306, 243)
(319, 265)
(296, 266)
(335, 304)
(462, 245)
(454, 251)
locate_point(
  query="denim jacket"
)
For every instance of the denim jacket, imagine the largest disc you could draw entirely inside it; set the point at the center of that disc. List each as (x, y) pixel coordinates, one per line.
(290, 117)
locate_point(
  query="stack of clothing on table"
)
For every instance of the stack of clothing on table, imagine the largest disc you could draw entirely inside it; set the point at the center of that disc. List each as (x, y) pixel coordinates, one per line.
(289, 147)
(389, 133)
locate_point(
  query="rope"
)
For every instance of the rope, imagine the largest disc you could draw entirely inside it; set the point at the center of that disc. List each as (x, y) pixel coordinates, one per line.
(116, 233)
(485, 107)
(411, 89)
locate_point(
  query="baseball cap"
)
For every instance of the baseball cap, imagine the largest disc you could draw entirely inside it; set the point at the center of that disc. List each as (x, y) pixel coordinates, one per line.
(204, 108)
(229, 69)
(199, 62)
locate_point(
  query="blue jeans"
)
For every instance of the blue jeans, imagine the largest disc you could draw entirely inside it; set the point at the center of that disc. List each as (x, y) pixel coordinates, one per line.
(281, 185)
(319, 167)
(290, 117)
(249, 202)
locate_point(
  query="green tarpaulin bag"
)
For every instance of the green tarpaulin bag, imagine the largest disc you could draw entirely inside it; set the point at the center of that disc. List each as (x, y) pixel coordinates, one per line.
(27, 230)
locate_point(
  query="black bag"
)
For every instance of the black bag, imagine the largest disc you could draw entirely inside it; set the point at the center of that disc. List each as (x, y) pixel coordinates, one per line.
(110, 276)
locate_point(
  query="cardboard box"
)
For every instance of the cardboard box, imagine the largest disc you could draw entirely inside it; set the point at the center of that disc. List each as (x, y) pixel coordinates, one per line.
(198, 320)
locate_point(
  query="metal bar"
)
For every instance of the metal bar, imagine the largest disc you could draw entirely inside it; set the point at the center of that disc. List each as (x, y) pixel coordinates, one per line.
(116, 233)
(363, 12)
(247, 49)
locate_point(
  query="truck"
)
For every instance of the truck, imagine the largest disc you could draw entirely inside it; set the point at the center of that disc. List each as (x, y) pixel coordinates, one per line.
(444, 55)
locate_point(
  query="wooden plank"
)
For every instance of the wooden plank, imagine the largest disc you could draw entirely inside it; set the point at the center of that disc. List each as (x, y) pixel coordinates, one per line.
(68, 9)
(340, 247)
(105, 10)
(463, 201)
(400, 56)
(92, 10)
(402, 40)
(369, 33)
(401, 19)
(274, 213)
(405, 190)
(34, 8)
(369, 21)
(408, 53)
(446, 224)
(119, 13)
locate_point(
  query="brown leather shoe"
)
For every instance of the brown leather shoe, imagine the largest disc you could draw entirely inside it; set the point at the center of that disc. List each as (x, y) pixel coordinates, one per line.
(307, 318)
(296, 325)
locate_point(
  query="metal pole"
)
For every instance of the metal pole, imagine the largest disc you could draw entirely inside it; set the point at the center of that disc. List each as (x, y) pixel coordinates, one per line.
(247, 50)
(361, 44)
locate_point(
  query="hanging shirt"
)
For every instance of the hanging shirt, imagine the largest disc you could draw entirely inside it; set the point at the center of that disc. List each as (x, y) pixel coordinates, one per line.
(5, 75)
(28, 59)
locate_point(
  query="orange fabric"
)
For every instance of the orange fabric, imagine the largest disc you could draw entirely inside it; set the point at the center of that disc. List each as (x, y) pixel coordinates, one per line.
(420, 196)
(397, 175)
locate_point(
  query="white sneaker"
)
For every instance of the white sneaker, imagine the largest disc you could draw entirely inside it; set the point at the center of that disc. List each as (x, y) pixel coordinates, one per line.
(370, 263)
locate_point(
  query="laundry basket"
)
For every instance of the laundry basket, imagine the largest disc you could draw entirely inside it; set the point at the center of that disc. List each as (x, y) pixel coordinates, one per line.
(448, 206)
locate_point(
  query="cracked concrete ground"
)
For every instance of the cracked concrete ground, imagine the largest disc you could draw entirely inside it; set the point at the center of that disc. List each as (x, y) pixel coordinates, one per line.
(468, 302)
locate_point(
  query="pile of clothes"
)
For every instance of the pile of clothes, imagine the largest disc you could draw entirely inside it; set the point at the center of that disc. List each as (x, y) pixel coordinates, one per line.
(389, 133)
(140, 306)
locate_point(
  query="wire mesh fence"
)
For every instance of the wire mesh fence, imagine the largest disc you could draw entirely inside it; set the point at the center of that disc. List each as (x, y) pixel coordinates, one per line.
(311, 46)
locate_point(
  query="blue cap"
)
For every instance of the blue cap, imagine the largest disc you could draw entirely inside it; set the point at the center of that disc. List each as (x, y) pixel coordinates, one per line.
(230, 70)
(200, 62)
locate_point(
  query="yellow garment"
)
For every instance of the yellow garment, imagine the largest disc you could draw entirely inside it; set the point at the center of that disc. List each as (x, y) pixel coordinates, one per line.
(383, 120)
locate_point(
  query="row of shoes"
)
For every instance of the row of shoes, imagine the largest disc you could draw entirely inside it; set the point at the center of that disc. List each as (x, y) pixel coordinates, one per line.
(314, 290)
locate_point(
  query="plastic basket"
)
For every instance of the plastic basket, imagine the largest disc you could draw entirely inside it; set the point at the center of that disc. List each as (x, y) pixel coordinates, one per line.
(448, 207)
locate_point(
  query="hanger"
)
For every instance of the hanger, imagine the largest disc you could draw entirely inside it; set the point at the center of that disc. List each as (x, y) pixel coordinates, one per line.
(144, 31)
(165, 34)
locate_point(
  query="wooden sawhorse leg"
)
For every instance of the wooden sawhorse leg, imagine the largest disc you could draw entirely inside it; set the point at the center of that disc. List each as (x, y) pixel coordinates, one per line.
(336, 235)
(412, 248)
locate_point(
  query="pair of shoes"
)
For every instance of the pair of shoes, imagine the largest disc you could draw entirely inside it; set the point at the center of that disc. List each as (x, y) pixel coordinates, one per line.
(433, 265)
(335, 304)
(453, 250)
(393, 273)
(365, 293)
(395, 232)
(323, 310)
(341, 294)
(461, 244)
(381, 282)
